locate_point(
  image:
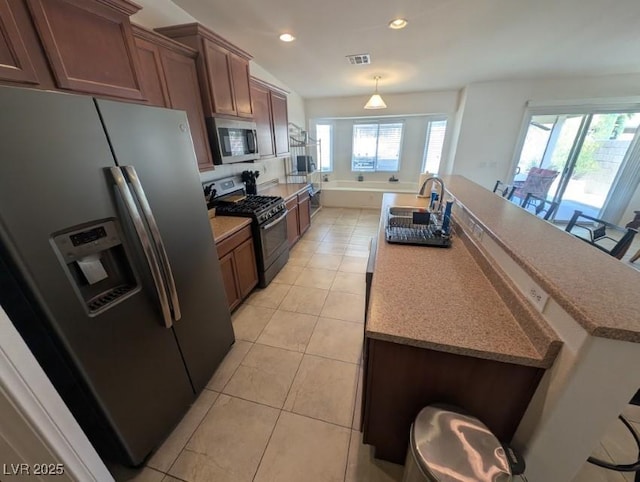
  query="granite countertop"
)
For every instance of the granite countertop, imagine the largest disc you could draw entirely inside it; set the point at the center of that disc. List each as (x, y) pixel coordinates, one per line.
(440, 298)
(597, 290)
(286, 191)
(225, 226)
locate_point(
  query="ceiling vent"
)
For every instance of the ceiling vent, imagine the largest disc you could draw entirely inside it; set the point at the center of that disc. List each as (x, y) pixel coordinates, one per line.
(359, 59)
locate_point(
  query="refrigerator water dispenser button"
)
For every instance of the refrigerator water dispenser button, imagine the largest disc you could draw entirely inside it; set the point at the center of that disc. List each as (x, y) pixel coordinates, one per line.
(92, 268)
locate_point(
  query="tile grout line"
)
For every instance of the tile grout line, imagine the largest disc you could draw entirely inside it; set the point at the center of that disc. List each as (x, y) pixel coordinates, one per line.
(279, 414)
(255, 474)
(346, 465)
(192, 433)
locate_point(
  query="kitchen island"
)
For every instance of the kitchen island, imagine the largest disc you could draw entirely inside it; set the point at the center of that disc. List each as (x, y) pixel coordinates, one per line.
(442, 327)
(496, 324)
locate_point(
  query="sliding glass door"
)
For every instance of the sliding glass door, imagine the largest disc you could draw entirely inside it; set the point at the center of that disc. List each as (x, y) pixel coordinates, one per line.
(587, 150)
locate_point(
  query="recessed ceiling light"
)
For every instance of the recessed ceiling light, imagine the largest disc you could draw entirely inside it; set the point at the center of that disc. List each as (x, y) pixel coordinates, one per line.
(287, 37)
(398, 23)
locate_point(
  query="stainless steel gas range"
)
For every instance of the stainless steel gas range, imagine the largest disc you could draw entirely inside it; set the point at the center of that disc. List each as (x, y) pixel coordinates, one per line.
(269, 228)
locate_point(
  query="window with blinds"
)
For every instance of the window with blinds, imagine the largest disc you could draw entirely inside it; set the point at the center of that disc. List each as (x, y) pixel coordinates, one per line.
(376, 147)
(436, 129)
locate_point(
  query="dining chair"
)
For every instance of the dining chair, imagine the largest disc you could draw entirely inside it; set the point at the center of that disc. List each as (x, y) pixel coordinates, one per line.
(505, 190)
(598, 236)
(542, 208)
(538, 182)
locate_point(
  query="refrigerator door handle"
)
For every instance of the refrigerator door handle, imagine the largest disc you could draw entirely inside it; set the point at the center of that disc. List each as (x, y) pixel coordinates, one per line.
(132, 175)
(150, 254)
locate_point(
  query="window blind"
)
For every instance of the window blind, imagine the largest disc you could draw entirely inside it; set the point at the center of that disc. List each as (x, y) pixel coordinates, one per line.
(376, 147)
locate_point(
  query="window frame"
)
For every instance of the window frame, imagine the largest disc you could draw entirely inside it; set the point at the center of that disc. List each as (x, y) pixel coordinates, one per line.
(323, 147)
(378, 122)
(430, 120)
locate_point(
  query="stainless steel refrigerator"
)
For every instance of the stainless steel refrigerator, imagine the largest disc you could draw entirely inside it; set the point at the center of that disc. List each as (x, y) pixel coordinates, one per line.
(108, 266)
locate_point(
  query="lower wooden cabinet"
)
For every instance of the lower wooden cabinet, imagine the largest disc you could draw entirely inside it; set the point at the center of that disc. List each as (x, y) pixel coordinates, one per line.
(304, 211)
(293, 226)
(298, 217)
(227, 266)
(238, 265)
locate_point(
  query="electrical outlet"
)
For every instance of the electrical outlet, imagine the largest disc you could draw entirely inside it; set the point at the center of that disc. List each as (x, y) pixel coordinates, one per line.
(537, 296)
(477, 232)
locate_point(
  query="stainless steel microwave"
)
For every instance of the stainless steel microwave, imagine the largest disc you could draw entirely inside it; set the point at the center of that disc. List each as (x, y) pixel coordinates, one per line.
(232, 140)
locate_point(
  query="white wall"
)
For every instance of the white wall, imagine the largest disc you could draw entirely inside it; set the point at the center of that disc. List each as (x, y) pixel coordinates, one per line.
(437, 102)
(489, 126)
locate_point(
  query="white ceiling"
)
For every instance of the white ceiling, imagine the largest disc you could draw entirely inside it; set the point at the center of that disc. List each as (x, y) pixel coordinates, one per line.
(447, 44)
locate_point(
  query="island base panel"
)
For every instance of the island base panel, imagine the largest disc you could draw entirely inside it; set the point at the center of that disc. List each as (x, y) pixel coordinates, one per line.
(400, 380)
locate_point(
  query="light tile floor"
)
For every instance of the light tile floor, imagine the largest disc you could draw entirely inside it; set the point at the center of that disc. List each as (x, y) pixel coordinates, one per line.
(284, 405)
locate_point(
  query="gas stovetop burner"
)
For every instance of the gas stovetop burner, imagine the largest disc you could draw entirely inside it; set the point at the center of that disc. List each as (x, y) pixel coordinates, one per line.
(260, 208)
(250, 204)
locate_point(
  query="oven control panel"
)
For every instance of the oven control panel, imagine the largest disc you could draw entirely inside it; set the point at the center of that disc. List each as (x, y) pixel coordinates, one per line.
(271, 212)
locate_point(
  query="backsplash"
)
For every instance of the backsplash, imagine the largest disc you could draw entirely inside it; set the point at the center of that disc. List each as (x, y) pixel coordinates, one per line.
(270, 169)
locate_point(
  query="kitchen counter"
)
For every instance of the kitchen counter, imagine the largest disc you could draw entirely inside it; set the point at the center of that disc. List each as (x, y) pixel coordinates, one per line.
(597, 290)
(225, 226)
(440, 298)
(286, 191)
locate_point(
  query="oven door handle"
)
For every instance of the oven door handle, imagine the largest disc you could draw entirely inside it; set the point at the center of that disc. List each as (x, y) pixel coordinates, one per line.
(277, 221)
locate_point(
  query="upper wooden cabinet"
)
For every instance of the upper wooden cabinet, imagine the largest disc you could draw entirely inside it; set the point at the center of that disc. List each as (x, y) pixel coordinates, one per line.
(261, 97)
(241, 89)
(270, 115)
(223, 70)
(89, 45)
(280, 122)
(15, 62)
(169, 79)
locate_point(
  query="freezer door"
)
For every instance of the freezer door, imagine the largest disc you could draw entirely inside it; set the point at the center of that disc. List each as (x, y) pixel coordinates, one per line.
(157, 142)
(54, 175)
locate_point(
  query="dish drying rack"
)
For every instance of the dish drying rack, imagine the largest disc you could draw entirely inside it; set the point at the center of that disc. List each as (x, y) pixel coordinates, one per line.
(422, 228)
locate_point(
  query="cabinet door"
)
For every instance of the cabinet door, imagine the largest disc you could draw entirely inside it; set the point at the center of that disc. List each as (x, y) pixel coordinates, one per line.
(241, 89)
(89, 45)
(220, 83)
(15, 62)
(262, 118)
(184, 94)
(246, 269)
(227, 266)
(152, 79)
(293, 228)
(280, 122)
(304, 212)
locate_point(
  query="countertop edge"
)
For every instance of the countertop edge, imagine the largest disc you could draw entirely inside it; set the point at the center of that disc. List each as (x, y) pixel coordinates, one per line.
(545, 362)
(242, 222)
(539, 332)
(578, 314)
(276, 189)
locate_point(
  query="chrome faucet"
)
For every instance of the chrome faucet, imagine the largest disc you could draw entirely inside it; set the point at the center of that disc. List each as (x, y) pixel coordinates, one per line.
(437, 179)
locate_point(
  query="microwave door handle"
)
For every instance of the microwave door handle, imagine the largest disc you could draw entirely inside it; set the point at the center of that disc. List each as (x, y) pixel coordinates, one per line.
(132, 175)
(143, 237)
(277, 221)
(251, 142)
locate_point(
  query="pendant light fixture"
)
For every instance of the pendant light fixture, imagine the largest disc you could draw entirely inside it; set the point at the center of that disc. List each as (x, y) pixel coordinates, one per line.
(375, 102)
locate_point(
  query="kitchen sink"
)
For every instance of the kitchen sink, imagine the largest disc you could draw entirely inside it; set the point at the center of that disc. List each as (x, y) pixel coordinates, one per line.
(407, 216)
(414, 225)
(405, 211)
